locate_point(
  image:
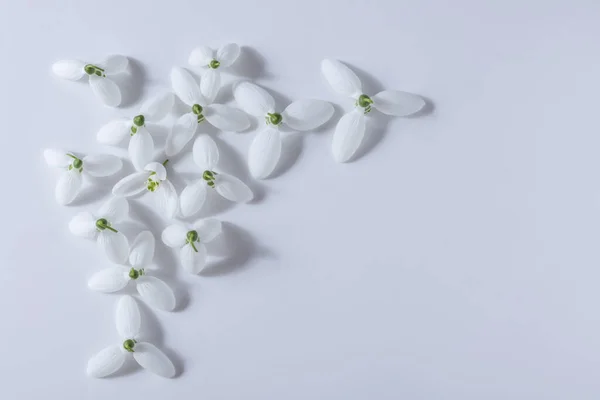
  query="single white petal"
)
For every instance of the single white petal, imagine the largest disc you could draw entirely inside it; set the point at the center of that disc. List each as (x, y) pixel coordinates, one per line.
(305, 115)
(341, 78)
(154, 360)
(131, 184)
(109, 280)
(106, 90)
(83, 225)
(253, 99)
(226, 118)
(181, 134)
(185, 87)
(127, 317)
(158, 107)
(106, 362)
(69, 69)
(227, 54)
(232, 188)
(57, 158)
(192, 198)
(193, 261)
(208, 229)
(348, 135)
(115, 209)
(168, 201)
(141, 148)
(210, 84)
(114, 64)
(115, 245)
(264, 152)
(114, 132)
(68, 186)
(395, 102)
(174, 235)
(205, 152)
(158, 168)
(155, 292)
(100, 165)
(201, 56)
(142, 250)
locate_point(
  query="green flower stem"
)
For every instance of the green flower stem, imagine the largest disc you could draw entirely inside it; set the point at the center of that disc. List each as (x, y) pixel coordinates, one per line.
(165, 162)
(103, 224)
(193, 246)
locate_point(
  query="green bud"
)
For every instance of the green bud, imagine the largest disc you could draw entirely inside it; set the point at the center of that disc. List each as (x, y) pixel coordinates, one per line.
(129, 345)
(208, 175)
(101, 224)
(89, 69)
(133, 273)
(152, 185)
(214, 64)
(274, 118)
(197, 109)
(133, 130)
(139, 120)
(365, 102)
(77, 163)
(192, 236)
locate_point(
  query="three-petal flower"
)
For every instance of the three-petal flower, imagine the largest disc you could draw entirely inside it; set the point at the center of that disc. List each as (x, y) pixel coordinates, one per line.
(204, 56)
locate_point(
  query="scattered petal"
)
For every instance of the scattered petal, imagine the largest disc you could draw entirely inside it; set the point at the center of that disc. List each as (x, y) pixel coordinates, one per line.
(142, 250)
(181, 134)
(227, 54)
(101, 165)
(201, 56)
(193, 261)
(115, 64)
(174, 235)
(264, 152)
(57, 158)
(192, 198)
(155, 292)
(158, 107)
(306, 115)
(395, 102)
(154, 360)
(68, 186)
(106, 362)
(131, 184)
(226, 118)
(114, 132)
(253, 99)
(185, 87)
(348, 135)
(69, 69)
(141, 148)
(232, 188)
(168, 201)
(208, 229)
(128, 318)
(115, 245)
(109, 280)
(341, 78)
(83, 225)
(106, 90)
(115, 209)
(210, 84)
(205, 153)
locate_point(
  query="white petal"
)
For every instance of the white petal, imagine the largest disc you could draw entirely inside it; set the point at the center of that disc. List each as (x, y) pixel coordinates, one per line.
(114, 64)
(115, 245)
(127, 317)
(141, 148)
(101, 165)
(68, 186)
(115, 209)
(395, 102)
(227, 54)
(83, 225)
(106, 90)
(305, 115)
(253, 99)
(181, 134)
(185, 87)
(206, 153)
(69, 69)
(106, 362)
(168, 201)
(232, 188)
(348, 135)
(161, 171)
(264, 152)
(208, 229)
(155, 292)
(210, 84)
(193, 261)
(109, 280)
(57, 158)
(114, 132)
(142, 250)
(174, 235)
(131, 184)
(341, 78)
(192, 198)
(201, 56)
(154, 360)
(158, 107)
(226, 118)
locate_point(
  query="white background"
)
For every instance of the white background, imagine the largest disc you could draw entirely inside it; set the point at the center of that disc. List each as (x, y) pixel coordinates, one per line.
(456, 258)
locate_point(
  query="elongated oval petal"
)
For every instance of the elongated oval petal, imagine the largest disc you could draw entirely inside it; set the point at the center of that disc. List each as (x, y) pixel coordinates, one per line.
(100, 165)
(115, 64)
(168, 201)
(205, 153)
(341, 78)
(114, 132)
(106, 90)
(192, 198)
(142, 250)
(264, 152)
(181, 134)
(114, 245)
(174, 235)
(158, 168)
(201, 56)
(158, 107)
(208, 229)
(108, 361)
(210, 84)
(127, 318)
(253, 99)
(141, 148)
(227, 54)
(68, 186)
(154, 360)
(193, 261)
(109, 280)
(69, 69)
(185, 87)
(395, 102)
(233, 189)
(348, 135)
(305, 115)
(155, 292)
(131, 184)
(83, 225)
(226, 118)
(57, 158)
(115, 209)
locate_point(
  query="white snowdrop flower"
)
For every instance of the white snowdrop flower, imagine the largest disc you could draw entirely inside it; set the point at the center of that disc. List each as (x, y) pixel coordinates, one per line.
(102, 226)
(190, 240)
(204, 56)
(302, 115)
(153, 290)
(110, 359)
(141, 144)
(193, 196)
(98, 74)
(350, 129)
(75, 168)
(200, 99)
(154, 180)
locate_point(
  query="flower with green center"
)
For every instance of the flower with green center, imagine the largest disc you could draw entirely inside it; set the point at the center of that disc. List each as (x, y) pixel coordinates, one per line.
(110, 359)
(191, 240)
(77, 168)
(350, 129)
(302, 115)
(99, 76)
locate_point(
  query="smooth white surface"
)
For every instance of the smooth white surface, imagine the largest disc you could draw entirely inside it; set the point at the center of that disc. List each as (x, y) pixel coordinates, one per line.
(456, 259)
